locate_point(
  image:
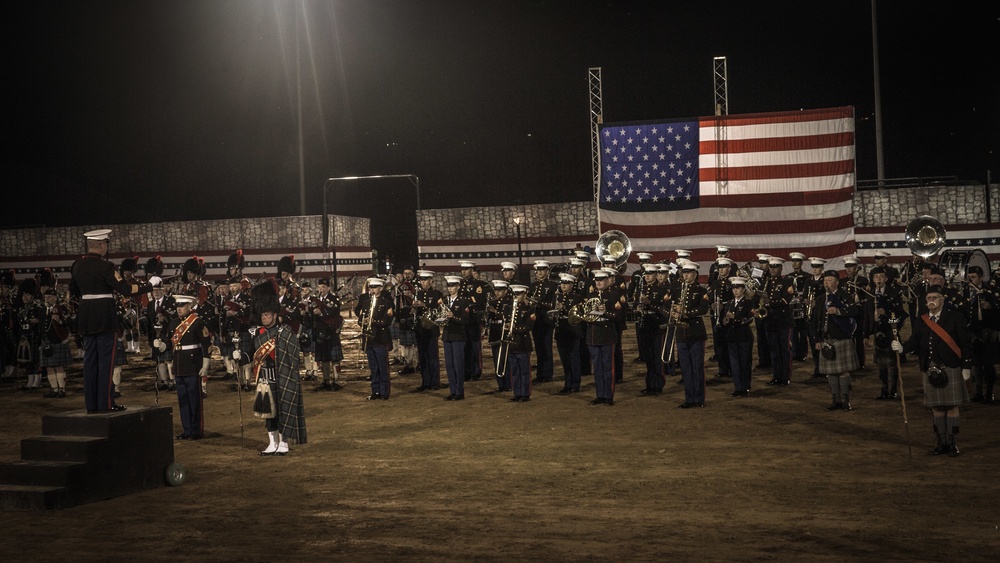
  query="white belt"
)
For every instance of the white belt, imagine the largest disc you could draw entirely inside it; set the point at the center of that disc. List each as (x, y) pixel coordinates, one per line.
(97, 296)
(189, 347)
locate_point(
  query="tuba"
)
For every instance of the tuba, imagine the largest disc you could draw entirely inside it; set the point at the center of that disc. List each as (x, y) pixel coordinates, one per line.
(613, 244)
(925, 236)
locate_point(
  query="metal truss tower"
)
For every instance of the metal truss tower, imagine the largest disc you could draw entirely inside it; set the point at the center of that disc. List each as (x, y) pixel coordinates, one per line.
(596, 118)
(721, 135)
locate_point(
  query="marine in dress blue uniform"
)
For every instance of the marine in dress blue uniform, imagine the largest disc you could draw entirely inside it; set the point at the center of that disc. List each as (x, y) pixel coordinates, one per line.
(520, 316)
(425, 303)
(603, 336)
(95, 282)
(375, 314)
(541, 293)
(736, 317)
(188, 338)
(567, 334)
(495, 307)
(687, 311)
(453, 336)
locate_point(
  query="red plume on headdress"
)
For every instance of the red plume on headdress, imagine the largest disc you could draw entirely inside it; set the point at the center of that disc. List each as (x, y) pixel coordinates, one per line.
(154, 266)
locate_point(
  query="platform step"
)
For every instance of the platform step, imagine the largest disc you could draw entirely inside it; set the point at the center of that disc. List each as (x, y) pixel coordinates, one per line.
(52, 473)
(64, 448)
(32, 497)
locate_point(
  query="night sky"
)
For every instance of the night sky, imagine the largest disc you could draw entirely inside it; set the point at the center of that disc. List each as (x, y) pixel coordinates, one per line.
(144, 111)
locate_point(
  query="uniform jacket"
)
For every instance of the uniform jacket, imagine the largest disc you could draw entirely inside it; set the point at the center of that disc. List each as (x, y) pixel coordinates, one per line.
(932, 349)
(93, 275)
(188, 362)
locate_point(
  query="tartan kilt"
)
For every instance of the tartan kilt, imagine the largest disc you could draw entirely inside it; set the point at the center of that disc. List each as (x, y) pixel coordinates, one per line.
(394, 331)
(885, 357)
(120, 359)
(952, 395)
(60, 356)
(407, 338)
(327, 352)
(846, 360)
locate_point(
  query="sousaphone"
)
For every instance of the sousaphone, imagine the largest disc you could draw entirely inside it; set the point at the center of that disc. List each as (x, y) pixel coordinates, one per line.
(925, 236)
(613, 244)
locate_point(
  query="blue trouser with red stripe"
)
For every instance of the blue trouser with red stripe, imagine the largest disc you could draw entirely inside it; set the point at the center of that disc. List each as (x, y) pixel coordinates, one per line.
(189, 400)
(98, 365)
(602, 359)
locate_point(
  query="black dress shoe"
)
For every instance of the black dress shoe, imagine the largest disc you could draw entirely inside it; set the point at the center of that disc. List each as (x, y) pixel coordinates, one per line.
(434, 387)
(774, 382)
(459, 397)
(449, 398)
(515, 399)
(565, 391)
(374, 397)
(609, 402)
(598, 401)
(118, 407)
(847, 406)
(737, 394)
(882, 396)
(685, 405)
(182, 437)
(91, 412)
(384, 397)
(420, 389)
(836, 405)
(939, 449)
(196, 437)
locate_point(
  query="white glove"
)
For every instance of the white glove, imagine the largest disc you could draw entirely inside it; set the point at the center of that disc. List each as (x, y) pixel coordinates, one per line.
(159, 345)
(966, 374)
(204, 367)
(237, 355)
(897, 346)
(155, 281)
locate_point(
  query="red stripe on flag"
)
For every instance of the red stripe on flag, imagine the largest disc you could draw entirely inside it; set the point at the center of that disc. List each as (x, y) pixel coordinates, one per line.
(775, 144)
(793, 199)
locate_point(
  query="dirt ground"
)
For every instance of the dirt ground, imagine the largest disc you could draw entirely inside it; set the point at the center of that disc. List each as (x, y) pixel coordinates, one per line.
(772, 476)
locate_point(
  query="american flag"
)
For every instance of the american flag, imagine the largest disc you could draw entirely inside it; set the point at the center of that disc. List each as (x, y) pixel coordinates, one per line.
(785, 184)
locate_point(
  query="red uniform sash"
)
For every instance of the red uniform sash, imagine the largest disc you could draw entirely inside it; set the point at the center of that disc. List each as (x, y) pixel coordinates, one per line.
(182, 329)
(944, 335)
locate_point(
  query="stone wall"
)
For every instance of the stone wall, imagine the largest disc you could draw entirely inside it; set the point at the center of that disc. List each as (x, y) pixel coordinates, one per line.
(952, 205)
(184, 236)
(571, 219)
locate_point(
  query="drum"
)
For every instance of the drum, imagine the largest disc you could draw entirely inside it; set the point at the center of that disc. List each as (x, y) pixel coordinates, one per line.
(955, 262)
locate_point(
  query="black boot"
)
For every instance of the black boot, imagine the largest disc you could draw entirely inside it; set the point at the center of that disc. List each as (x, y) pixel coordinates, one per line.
(953, 446)
(847, 402)
(835, 405)
(939, 428)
